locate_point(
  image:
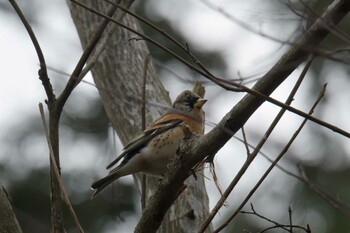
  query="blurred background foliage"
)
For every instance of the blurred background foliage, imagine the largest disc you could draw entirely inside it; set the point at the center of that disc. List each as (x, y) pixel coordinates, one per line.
(86, 133)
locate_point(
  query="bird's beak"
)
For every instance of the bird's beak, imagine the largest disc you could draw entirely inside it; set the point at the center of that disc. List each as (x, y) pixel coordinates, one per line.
(199, 103)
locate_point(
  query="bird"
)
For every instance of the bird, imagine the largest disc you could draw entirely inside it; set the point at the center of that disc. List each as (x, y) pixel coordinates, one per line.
(152, 150)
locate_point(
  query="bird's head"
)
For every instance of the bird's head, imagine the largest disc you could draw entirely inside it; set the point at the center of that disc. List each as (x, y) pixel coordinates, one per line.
(188, 101)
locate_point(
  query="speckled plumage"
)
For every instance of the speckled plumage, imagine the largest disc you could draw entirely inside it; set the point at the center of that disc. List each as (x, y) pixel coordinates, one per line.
(151, 151)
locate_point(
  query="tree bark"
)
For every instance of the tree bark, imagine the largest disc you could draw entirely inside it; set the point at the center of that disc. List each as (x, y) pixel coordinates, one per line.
(118, 75)
(8, 220)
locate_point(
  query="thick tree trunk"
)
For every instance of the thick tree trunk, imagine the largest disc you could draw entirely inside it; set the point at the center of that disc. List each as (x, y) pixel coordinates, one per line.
(118, 75)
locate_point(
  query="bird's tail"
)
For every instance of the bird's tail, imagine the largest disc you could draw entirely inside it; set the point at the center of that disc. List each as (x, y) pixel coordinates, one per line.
(101, 184)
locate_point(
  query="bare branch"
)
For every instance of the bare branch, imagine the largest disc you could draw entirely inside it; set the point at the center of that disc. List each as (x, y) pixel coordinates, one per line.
(100, 47)
(290, 219)
(43, 70)
(56, 171)
(245, 141)
(74, 78)
(143, 126)
(288, 228)
(185, 48)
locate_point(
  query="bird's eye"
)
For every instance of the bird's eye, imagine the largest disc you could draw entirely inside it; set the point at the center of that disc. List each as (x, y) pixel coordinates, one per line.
(191, 101)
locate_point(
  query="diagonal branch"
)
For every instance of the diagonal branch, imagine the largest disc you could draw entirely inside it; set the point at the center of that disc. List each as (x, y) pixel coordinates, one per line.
(74, 78)
(197, 149)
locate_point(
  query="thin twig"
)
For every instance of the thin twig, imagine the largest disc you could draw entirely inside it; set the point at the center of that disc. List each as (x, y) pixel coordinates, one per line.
(242, 80)
(245, 141)
(284, 227)
(43, 70)
(333, 201)
(143, 125)
(143, 93)
(74, 78)
(290, 218)
(55, 168)
(276, 224)
(256, 150)
(185, 48)
(216, 180)
(100, 47)
(259, 215)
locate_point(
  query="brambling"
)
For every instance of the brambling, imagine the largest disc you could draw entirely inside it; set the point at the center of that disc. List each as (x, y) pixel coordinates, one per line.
(155, 147)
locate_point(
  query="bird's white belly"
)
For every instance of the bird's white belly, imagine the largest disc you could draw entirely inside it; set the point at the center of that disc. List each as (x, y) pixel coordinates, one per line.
(161, 150)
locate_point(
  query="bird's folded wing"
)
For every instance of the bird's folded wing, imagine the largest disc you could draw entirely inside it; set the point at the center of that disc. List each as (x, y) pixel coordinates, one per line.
(143, 139)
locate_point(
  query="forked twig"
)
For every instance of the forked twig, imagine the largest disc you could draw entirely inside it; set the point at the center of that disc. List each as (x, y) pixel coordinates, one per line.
(285, 227)
(245, 142)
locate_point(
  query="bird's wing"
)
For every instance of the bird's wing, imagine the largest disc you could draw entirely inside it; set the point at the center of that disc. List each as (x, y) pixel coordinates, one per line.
(143, 139)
